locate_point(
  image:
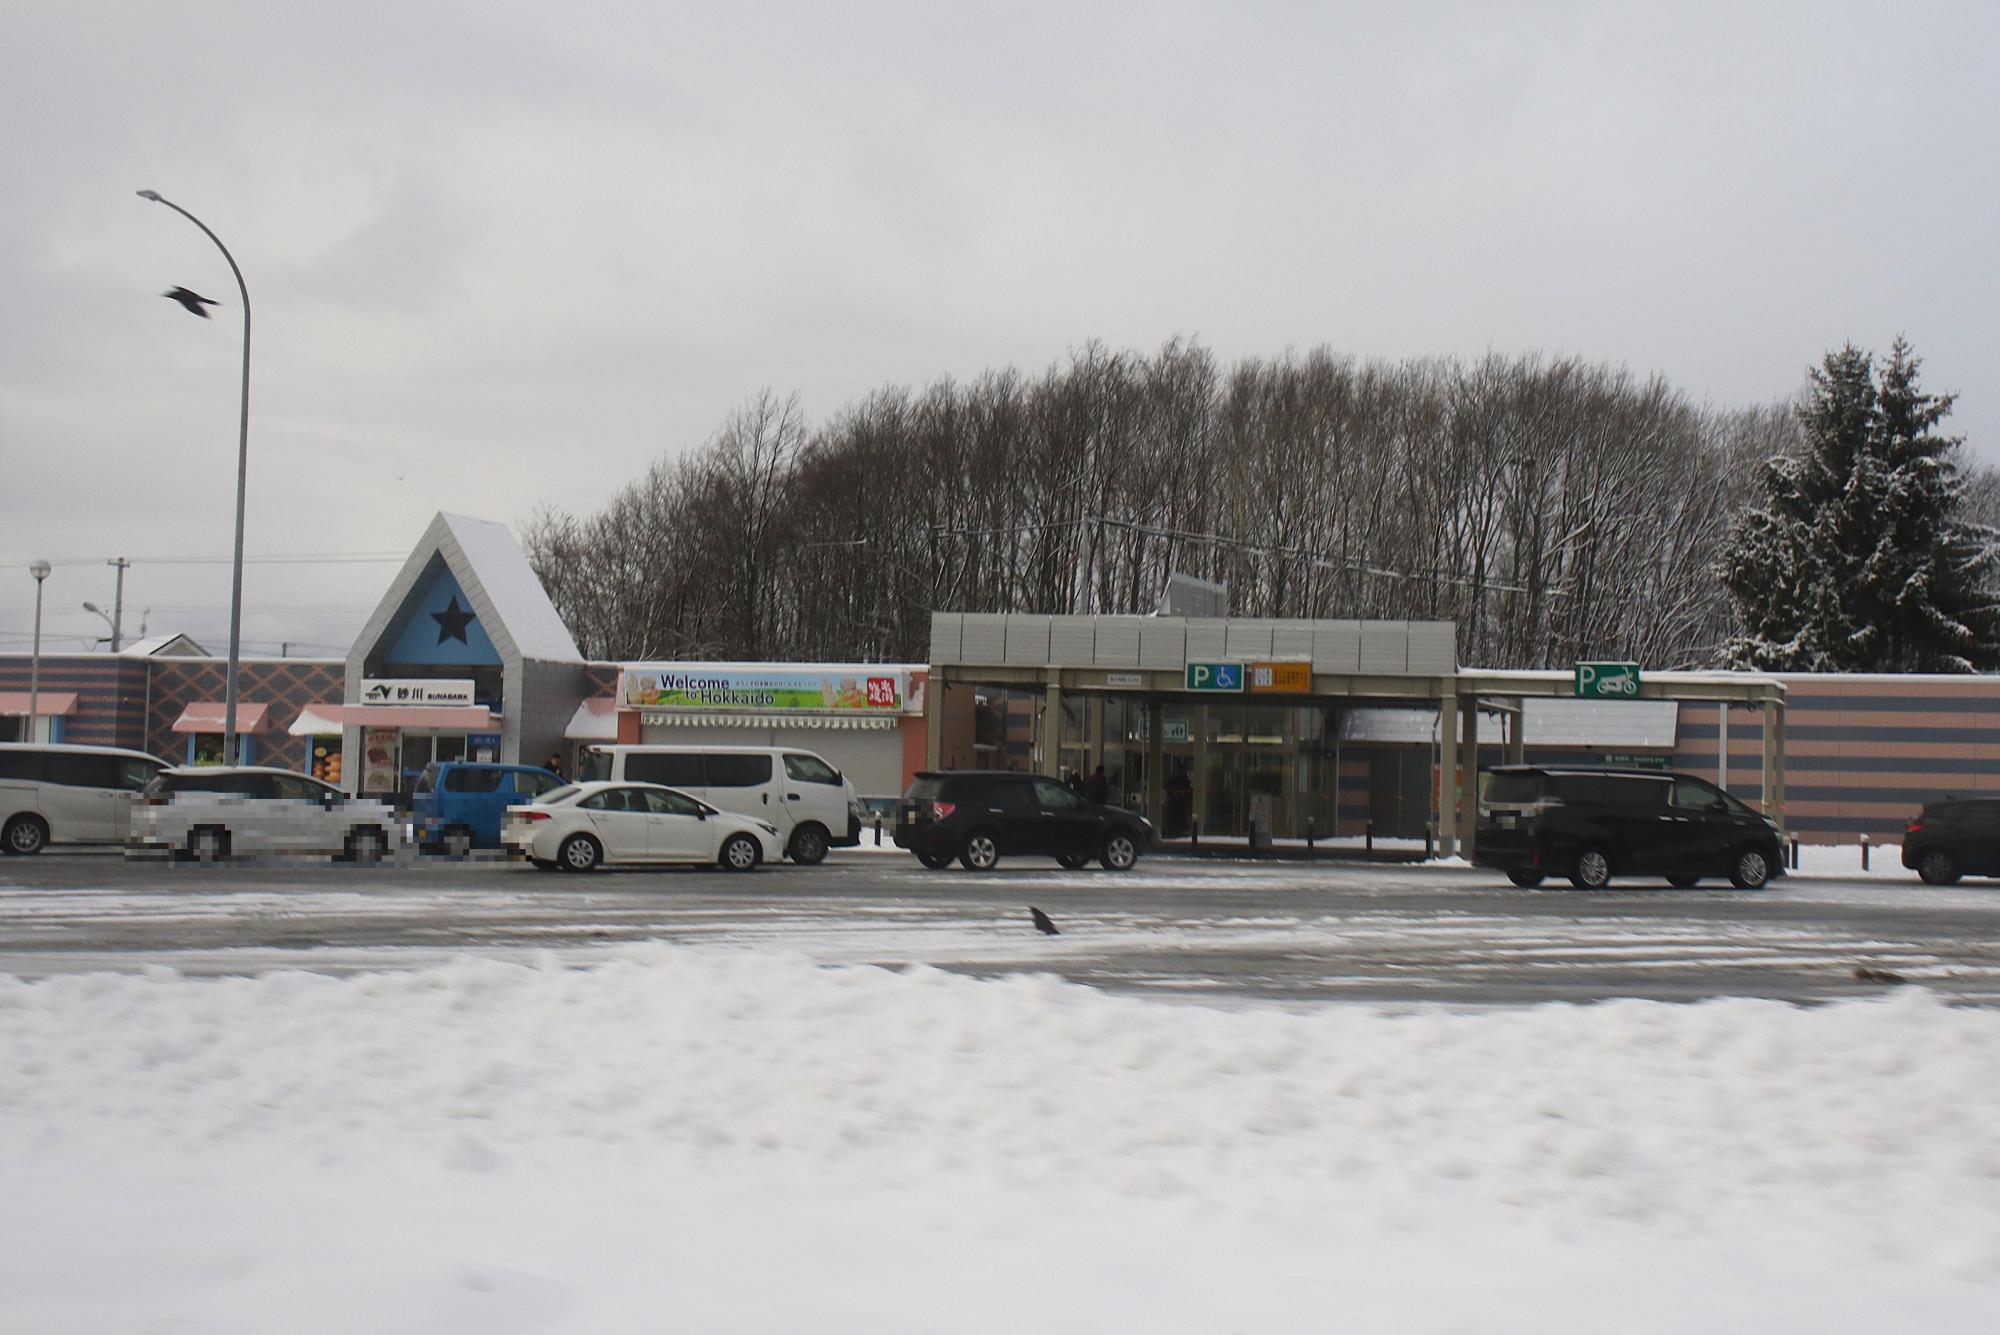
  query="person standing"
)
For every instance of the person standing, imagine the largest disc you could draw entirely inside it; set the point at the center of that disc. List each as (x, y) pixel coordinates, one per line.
(1074, 783)
(555, 766)
(1098, 789)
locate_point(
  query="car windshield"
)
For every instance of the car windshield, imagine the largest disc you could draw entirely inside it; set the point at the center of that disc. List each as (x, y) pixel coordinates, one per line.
(596, 765)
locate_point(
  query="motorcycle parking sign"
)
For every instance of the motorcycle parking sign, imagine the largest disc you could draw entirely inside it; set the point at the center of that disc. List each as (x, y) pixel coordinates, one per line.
(1607, 681)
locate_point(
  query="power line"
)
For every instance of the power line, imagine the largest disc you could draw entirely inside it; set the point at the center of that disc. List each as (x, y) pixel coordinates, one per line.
(299, 558)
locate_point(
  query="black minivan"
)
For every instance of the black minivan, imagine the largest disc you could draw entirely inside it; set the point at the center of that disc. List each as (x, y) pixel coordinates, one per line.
(1591, 823)
(978, 815)
(1958, 836)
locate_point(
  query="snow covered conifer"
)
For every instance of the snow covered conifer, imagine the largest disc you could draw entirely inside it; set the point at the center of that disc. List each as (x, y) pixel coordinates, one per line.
(1858, 560)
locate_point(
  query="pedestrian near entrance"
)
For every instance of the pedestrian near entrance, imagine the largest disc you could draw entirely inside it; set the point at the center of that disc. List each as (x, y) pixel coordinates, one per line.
(1074, 783)
(1098, 790)
(555, 765)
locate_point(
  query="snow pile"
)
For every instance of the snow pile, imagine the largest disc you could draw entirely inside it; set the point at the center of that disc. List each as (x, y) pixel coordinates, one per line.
(705, 1141)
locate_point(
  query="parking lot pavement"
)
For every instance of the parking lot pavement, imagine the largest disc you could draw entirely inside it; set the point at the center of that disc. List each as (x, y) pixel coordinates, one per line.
(1220, 931)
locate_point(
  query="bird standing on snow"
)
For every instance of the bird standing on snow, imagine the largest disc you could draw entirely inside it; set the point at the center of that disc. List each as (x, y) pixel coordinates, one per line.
(1042, 923)
(194, 301)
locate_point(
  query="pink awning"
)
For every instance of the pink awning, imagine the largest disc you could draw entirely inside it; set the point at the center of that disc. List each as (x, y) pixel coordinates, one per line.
(52, 703)
(207, 716)
(438, 718)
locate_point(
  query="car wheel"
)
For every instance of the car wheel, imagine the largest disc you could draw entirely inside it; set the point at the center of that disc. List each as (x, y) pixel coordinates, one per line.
(1524, 878)
(208, 844)
(1937, 867)
(579, 852)
(808, 845)
(1593, 869)
(1683, 882)
(365, 845)
(981, 851)
(1120, 851)
(934, 860)
(739, 853)
(1752, 869)
(457, 842)
(1073, 860)
(25, 835)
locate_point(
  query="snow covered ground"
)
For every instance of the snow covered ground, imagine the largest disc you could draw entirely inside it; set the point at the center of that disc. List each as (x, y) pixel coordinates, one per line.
(691, 1139)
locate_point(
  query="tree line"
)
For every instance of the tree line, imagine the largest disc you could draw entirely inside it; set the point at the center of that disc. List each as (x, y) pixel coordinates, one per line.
(1554, 508)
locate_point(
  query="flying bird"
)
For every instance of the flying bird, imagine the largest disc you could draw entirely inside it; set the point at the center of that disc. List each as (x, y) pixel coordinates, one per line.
(1042, 923)
(194, 301)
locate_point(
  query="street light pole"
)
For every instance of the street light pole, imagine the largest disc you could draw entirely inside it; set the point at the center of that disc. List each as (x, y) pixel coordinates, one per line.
(40, 570)
(118, 604)
(242, 470)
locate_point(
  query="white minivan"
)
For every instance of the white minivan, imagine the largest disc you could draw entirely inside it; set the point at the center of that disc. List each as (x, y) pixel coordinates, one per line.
(812, 805)
(56, 794)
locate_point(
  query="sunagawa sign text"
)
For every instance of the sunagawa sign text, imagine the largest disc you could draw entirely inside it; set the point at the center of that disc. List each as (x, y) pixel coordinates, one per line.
(695, 688)
(416, 691)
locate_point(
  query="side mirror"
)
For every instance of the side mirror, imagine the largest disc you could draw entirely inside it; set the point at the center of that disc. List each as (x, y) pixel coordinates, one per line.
(1718, 805)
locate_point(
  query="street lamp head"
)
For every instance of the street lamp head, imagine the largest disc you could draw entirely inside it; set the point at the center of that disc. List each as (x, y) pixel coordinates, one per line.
(93, 607)
(40, 570)
(153, 195)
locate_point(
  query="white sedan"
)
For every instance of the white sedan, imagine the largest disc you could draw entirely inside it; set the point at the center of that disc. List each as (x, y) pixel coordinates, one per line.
(587, 825)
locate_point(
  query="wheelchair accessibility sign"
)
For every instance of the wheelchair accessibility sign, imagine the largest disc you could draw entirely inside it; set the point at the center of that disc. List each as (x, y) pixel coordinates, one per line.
(1215, 676)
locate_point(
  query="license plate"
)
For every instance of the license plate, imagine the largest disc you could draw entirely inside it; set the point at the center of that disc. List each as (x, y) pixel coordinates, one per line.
(1504, 819)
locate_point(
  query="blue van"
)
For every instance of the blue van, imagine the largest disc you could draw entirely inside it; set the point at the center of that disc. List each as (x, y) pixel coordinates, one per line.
(457, 807)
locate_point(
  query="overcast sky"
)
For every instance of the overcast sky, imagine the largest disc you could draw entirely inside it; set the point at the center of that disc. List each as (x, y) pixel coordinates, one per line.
(503, 254)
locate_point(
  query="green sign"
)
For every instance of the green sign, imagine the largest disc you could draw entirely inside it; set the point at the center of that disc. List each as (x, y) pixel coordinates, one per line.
(1215, 676)
(1607, 681)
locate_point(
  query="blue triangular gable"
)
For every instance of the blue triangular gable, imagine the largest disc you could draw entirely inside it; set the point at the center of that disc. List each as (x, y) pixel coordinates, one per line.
(439, 628)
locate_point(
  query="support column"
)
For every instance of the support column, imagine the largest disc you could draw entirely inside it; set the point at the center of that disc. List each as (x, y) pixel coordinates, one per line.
(1468, 771)
(1052, 727)
(1722, 746)
(1444, 791)
(1517, 735)
(1093, 722)
(1774, 753)
(1156, 782)
(1198, 743)
(934, 722)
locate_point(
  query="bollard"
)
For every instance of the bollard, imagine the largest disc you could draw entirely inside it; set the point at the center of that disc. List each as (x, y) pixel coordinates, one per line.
(878, 829)
(1795, 852)
(1430, 842)
(1369, 835)
(1309, 834)
(1864, 852)
(1194, 832)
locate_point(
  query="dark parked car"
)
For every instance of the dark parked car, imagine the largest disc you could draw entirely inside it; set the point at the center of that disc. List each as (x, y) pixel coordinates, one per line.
(1591, 823)
(1959, 836)
(977, 816)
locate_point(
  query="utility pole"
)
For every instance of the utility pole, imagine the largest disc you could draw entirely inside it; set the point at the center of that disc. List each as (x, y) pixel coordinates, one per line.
(118, 603)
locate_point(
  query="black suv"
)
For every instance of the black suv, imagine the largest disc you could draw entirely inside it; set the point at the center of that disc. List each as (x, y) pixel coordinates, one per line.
(1590, 823)
(1955, 837)
(978, 815)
